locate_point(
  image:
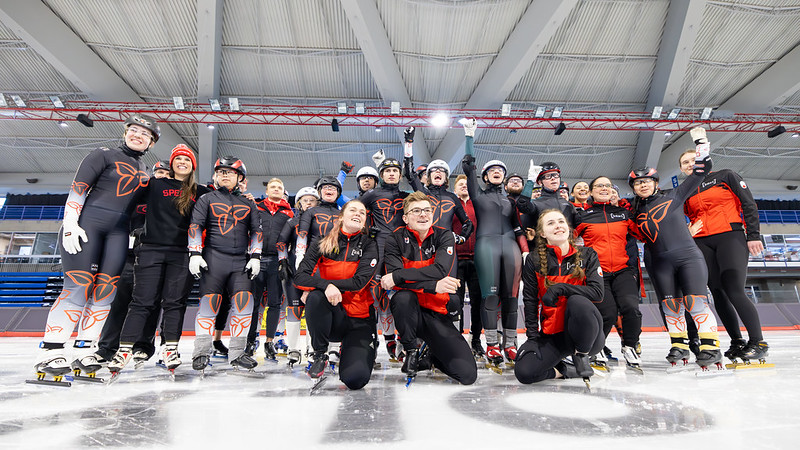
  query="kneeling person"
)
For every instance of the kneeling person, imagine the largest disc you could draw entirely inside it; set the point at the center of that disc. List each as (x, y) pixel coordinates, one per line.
(420, 263)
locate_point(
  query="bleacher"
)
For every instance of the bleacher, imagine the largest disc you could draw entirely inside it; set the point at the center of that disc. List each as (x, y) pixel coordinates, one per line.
(30, 288)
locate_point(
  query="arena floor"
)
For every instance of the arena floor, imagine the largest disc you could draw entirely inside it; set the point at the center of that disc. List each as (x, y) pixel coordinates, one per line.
(754, 408)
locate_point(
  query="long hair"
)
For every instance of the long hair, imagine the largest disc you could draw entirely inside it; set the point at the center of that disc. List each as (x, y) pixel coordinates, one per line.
(541, 247)
(185, 202)
(329, 245)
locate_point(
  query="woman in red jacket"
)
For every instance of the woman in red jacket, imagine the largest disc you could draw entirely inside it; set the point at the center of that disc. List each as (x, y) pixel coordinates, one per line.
(606, 228)
(723, 209)
(562, 281)
(335, 271)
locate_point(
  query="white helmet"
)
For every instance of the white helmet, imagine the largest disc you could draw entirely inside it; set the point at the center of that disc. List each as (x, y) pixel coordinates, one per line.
(494, 162)
(438, 164)
(308, 190)
(367, 171)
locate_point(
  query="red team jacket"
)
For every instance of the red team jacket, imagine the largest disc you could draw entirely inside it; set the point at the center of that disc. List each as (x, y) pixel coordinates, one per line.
(350, 270)
(724, 203)
(605, 228)
(418, 263)
(559, 270)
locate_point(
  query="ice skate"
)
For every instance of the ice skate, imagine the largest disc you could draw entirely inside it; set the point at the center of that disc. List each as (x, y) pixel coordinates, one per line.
(270, 353)
(171, 359)
(333, 360)
(200, 363)
(609, 356)
(694, 346)
(293, 357)
(477, 351)
(632, 360)
(220, 350)
(244, 362)
(139, 358)
(753, 351)
(391, 349)
(494, 358)
(89, 365)
(123, 356)
(583, 367)
(317, 371)
(413, 362)
(735, 350)
(599, 362)
(251, 348)
(52, 363)
(280, 346)
(678, 354)
(511, 355)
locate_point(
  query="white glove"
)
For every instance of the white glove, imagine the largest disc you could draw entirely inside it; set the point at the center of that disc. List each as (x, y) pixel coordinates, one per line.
(378, 157)
(71, 236)
(254, 267)
(298, 258)
(470, 125)
(534, 171)
(702, 147)
(196, 264)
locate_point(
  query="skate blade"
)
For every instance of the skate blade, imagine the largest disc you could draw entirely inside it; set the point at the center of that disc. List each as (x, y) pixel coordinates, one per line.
(49, 383)
(588, 385)
(679, 369)
(510, 365)
(112, 379)
(740, 366)
(394, 360)
(138, 364)
(601, 368)
(712, 373)
(635, 369)
(247, 373)
(494, 368)
(88, 379)
(318, 384)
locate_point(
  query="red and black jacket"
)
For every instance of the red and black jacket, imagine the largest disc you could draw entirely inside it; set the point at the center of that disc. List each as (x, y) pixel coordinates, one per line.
(274, 216)
(418, 263)
(467, 249)
(349, 269)
(559, 270)
(724, 203)
(605, 228)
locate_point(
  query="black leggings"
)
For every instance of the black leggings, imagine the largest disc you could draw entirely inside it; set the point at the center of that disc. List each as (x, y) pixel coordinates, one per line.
(163, 283)
(621, 296)
(469, 280)
(267, 292)
(327, 323)
(449, 351)
(110, 337)
(583, 332)
(726, 256)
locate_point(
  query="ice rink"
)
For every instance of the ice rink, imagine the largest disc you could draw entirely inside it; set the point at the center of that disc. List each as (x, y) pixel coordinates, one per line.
(754, 408)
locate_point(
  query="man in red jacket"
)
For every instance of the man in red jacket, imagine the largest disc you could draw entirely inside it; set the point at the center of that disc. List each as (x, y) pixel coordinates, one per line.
(467, 274)
(420, 263)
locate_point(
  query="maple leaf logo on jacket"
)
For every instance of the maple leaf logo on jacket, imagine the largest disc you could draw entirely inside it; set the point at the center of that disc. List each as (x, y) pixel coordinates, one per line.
(227, 216)
(389, 208)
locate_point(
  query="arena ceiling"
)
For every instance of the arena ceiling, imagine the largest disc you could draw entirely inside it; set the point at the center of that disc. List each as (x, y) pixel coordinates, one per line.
(585, 56)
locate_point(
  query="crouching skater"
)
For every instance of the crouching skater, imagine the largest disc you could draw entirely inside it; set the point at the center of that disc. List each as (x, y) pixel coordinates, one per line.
(560, 283)
(334, 273)
(421, 264)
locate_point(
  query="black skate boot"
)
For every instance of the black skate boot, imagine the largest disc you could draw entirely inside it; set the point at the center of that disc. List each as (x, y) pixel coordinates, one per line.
(755, 351)
(735, 349)
(251, 348)
(318, 365)
(566, 369)
(694, 346)
(582, 365)
(411, 363)
(293, 357)
(244, 361)
(707, 358)
(678, 354)
(477, 351)
(269, 351)
(200, 362)
(220, 351)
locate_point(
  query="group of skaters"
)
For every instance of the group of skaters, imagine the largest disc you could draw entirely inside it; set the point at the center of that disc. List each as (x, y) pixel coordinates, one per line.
(396, 264)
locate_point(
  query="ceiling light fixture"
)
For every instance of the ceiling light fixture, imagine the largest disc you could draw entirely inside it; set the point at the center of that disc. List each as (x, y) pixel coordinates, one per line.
(505, 110)
(360, 108)
(341, 107)
(178, 102)
(673, 114)
(18, 100)
(215, 106)
(706, 114)
(557, 111)
(56, 101)
(540, 110)
(440, 120)
(656, 112)
(234, 103)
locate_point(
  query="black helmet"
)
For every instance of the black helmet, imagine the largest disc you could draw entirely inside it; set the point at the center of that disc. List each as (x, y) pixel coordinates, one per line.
(161, 165)
(644, 172)
(231, 162)
(144, 121)
(329, 181)
(420, 170)
(514, 175)
(389, 162)
(548, 167)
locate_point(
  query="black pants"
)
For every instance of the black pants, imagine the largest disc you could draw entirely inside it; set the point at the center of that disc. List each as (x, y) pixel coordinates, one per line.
(110, 337)
(469, 280)
(449, 351)
(621, 297)
(327, 323)
(267, 292)
(583, 332)
(163, 283)
(726, 256)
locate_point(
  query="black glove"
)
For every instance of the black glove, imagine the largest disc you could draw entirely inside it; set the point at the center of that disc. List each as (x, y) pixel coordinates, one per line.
(409, 134)
(453, 307)
(347, 167)
(467, 162)
(550, 298)
(373, 231)
(284, 270)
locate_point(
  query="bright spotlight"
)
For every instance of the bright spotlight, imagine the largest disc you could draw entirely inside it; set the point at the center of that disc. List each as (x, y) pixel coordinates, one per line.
(440, 120)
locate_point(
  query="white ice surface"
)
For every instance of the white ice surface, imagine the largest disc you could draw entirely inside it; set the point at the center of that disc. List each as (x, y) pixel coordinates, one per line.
(758, 408)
